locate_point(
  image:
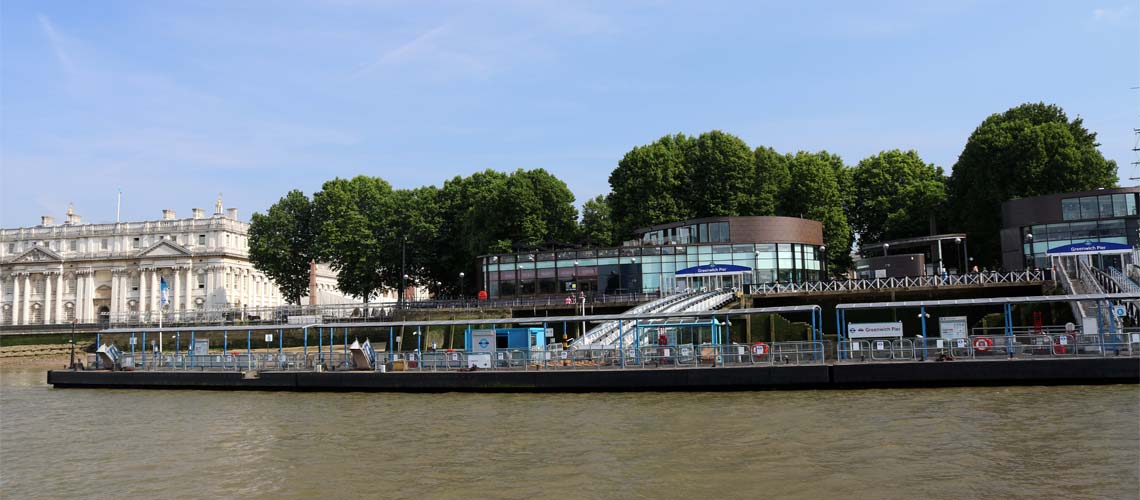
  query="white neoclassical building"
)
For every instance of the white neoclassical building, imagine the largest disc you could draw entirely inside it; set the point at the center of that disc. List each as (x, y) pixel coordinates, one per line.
(53, 274)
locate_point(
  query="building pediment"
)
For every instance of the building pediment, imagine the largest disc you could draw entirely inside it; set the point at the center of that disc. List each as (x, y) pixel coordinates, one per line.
(38, 254)
(165, 248)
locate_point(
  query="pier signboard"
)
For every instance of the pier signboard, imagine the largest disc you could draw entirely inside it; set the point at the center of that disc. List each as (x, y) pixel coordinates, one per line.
(874, 330)
(482, 340)
(953, 327)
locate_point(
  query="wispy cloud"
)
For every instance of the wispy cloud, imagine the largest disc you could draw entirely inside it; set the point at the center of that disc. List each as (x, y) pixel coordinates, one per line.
(1111, 15)
(57, 43)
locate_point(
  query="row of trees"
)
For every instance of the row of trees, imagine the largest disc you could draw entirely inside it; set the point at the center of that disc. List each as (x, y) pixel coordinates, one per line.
(362, 227)
(372, 234)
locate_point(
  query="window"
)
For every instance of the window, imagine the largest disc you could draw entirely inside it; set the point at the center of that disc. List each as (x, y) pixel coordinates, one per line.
(201, 281)
(1089, 207)
(1070, 209)
(11, 248)
(136, 243)
(1105, 205)
(202, 239)
(106, 243)
(72, 245)
(1120, 205)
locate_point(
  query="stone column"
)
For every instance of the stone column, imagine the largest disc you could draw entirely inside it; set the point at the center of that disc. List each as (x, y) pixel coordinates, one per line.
(115, 291)
(15, 299)
(47, 298)
(78, 287)
(90, 302)
(27, 299)
(59, 298)
(174, 291)
(154, 291)
(142, 294)
(190, 286)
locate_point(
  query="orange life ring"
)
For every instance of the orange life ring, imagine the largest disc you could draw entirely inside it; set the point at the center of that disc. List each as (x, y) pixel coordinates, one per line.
(983, 344)
(759, 350)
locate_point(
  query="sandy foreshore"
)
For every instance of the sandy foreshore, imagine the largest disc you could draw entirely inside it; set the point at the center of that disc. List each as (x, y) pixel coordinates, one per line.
(53, 356)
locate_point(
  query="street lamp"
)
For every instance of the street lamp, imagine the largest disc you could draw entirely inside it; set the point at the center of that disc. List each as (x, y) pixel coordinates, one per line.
(886, 249)
(461, 283)
(73, 321)
(823, 254)
(958, 244)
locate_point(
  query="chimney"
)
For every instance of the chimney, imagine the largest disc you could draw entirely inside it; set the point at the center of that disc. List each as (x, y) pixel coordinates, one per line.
(231, 213)
(168, 214)
(198, 212)
(47, 220)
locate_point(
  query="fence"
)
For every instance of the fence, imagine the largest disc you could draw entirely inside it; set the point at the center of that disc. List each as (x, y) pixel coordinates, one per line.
(972, 279)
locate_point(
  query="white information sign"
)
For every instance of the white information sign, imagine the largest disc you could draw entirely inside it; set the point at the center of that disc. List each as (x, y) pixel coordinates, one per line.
(874, 330)
(269, 337)
(880, 345)
(482, 341)
(1120, 311)
(953, 327)
(938, 343)
(1136, 337)
(854, 346)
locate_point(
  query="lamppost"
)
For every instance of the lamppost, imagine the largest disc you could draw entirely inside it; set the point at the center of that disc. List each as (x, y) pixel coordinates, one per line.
(886, 249)
(958, 244)
(403, 272)
(73, 321)
(823, 254)
(461, 286)
(1029, 251)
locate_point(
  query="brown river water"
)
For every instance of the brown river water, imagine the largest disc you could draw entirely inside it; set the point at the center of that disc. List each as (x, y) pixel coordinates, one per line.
(1001, 442)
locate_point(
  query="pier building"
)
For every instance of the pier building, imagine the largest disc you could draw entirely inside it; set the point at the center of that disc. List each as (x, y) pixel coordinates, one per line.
(707, 253)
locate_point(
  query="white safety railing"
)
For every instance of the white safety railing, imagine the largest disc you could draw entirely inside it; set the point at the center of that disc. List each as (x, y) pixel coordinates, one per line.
(972, 279)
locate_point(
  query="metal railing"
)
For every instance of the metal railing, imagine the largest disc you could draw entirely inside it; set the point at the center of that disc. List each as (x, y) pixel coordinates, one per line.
(994, 347)
(971, 279)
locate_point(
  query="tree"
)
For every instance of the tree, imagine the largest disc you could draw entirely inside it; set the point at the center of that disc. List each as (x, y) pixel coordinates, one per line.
(597, 228)
(896, 194)
(720, 170)
(282, 244)
(354, 236)
(816, 195)
(647, 185)
(1029, 150)
(771, 180)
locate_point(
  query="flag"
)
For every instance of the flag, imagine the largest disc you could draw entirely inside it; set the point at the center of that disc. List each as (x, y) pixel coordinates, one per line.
(164, 290)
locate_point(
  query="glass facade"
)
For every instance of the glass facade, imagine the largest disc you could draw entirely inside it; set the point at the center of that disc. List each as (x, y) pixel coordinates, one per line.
(1098, 207)
(1038, 239)
(705, 232)
(647, 269)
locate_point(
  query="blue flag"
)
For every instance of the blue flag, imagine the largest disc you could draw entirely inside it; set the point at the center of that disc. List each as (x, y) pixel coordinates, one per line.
(164, 290)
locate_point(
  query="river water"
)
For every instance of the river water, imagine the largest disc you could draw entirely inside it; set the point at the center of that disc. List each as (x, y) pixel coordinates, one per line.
(1003, 442)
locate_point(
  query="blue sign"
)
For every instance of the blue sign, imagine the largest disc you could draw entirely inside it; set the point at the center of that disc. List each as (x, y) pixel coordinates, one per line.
(483, 343)
(1091, 247)
(714, 269)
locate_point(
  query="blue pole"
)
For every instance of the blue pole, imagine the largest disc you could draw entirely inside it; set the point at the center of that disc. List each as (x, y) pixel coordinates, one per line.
(144, 350)
(922, 315)
(838, 335)
(190, 349)
(346, 341)
(249, 343)
(225, 342)
(178, 343)
(332, 340)
(621, 343)
(391, 355)
(305, 342)
(320, 345)
(280, 344)
(419, 340)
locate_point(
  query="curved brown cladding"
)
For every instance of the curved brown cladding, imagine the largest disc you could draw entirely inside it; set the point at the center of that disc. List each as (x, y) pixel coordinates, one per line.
(770, 229)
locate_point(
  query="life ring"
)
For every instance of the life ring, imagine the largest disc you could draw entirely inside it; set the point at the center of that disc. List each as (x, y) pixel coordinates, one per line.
(983, 344)
(759, 351)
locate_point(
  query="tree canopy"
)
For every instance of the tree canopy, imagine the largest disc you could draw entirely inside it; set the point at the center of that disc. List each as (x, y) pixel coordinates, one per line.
(282, 244)
(894, 196)
(1030, 150)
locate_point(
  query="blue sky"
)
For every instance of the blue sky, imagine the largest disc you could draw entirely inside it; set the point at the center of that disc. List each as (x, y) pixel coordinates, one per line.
(174, 102)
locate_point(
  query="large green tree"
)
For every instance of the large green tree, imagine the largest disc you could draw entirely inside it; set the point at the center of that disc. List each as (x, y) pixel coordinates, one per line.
(815, 194)
(597, 228)
(282, 243)
(354, 236)
(648, 183)
(1030, 150)
(720, 173)
(771, 180)
(894, 196)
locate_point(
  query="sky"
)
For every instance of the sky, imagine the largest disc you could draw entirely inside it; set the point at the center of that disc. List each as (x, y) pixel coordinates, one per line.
(175, 102)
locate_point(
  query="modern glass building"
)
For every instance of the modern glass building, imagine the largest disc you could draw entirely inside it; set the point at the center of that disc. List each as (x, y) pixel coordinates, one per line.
(1103, 222)
(713, 252)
